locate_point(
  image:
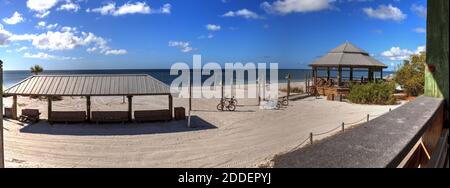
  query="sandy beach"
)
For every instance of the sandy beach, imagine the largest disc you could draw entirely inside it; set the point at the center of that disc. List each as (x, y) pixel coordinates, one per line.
(248, 137)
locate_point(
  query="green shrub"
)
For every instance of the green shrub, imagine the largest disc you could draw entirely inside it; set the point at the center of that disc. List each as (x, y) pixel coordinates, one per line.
(373, 93)
(411, 76)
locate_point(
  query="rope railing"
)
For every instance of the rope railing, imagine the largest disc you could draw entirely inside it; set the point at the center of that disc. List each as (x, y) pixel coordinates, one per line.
(342, 127)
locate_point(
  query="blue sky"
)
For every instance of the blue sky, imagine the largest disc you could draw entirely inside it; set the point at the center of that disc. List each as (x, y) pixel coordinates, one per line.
(145, 34)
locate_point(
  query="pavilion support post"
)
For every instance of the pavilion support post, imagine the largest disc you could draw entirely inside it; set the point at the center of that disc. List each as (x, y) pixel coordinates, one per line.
(328, 73)
(171, 106)
(381, 74)
(49, 108)
(288, 77)
(339, 76)
(351, 73)
(314, 74)
(306, 83)
(14, 107)
(130, 108)
(88, 108)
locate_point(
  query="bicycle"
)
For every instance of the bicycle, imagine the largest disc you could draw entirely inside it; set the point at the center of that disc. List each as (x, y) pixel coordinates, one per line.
(283, 101)
(227, 103)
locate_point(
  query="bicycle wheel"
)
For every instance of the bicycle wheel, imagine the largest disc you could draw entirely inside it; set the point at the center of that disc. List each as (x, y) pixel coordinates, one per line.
(285, 102)
(278, 105)
(231, 107)
(220, 107)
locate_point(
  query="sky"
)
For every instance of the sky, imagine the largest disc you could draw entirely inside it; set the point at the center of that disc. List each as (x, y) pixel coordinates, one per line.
(154, 34)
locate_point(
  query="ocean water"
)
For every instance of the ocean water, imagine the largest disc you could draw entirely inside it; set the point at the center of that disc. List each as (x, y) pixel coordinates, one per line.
(12, 77)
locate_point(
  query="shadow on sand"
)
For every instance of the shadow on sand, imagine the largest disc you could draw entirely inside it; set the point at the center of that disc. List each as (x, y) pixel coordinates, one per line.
(43, 127)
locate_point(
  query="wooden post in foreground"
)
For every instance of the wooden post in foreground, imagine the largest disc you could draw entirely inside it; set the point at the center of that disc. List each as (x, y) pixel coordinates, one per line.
(190, 104)
(437, 66)
(2, 152)
(14, 107)
(130, 108)
(171, 106)
(88, 108)
(49, 108)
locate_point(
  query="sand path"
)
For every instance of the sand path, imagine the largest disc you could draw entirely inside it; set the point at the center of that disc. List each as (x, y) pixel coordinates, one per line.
(246, 138)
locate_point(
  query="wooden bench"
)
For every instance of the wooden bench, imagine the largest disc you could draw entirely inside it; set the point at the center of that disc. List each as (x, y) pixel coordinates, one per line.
(152, 115)
(66, 117)
(8, 113)
(29, 115)
(109, 116)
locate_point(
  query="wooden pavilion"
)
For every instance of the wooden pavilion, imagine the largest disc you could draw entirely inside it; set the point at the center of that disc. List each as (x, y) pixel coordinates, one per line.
(346, 57)
(88, 86)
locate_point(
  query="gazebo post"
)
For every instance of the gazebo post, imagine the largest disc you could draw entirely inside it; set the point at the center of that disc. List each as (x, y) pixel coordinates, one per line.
(14, 107)
(49, 108)
(339, 76)
(351, 73)
(314, 74)
(171, 106)
(328, 73)
(130, 108)
(88, 107)
(381, 74)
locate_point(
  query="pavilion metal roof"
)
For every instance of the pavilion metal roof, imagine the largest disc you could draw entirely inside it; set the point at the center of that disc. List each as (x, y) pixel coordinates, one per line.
(89, 85)
(348, 55)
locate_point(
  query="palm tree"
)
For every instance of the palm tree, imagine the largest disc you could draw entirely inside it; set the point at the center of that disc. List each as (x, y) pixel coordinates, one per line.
(36, 69)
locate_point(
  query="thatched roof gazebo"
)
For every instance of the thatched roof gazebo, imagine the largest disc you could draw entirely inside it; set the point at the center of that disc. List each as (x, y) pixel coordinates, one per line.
(346, 56)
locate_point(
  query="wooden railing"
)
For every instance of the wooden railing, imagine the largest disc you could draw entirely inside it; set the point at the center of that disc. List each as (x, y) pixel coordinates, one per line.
(410, 136)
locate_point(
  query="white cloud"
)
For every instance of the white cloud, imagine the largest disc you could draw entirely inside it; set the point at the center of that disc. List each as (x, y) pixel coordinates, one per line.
(165, 9)
(57, 41)
(183, 46)
(14, 19)
(398, 54)
(130, 8)
(248, 14)
(420, 49)
(42, 7)
(22, 37)
(420, 10)
(115, 52)
(212, 27)
(46, 56)
(43, 25)
(42, 15)
(209, 36)
(67, 40)
(69, 6)
(21, 49)
(139, 7)
(4, 36)
(420, 30)
(69, 29)
(384, 12)
(295, 6)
